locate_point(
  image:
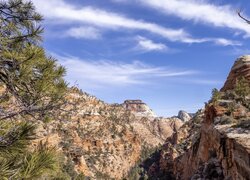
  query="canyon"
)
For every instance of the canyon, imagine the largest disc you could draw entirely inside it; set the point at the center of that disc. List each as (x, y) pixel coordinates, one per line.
(129, 141)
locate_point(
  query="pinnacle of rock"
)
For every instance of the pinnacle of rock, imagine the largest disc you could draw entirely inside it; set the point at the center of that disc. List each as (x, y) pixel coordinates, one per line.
(240, 69)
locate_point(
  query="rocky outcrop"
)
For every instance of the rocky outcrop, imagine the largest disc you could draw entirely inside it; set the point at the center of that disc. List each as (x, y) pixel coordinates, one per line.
(218, 149)
(222, 151)
(184, 116)
(240, 69)
(156, 131)
(139, 108)
(215, 143)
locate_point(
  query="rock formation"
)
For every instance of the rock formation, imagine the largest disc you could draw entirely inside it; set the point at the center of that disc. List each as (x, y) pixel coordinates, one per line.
(104, 141)
(139, 108)
(240, 69)
(184, 116)
(116, 141)
(214, 144)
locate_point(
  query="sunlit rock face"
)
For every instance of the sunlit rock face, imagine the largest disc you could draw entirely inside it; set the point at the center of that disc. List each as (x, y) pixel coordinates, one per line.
(101, 140)
(139, 108)
(214, 143)
(240, 69)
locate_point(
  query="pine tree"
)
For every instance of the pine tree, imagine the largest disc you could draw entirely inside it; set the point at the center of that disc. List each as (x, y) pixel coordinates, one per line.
(32, 83)
(216, 95)
(33, 78)
(242, 88)
(17, 162)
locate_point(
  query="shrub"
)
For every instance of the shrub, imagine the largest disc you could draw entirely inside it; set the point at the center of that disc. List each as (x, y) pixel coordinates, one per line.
(242, 87)
(216, 95)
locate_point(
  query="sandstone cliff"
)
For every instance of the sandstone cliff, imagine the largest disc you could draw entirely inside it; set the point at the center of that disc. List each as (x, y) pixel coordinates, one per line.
(138, 108)
(240, 69)
(215, 143)
(100, 140)
(104, 141)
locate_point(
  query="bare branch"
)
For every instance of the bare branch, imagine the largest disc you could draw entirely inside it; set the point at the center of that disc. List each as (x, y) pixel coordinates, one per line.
(242, 17)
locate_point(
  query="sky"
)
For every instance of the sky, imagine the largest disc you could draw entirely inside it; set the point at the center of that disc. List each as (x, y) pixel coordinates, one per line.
(168, 53)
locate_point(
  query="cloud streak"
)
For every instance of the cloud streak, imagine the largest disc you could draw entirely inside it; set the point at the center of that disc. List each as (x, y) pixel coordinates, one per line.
(145, 44)
(83, 32)
(109, 73)
(67, 13)
(200, 11)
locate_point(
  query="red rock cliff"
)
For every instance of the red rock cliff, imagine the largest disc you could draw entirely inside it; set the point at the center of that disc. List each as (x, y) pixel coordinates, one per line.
(241, 68)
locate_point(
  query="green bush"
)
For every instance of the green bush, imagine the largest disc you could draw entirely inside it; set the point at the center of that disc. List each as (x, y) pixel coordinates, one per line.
(242, 87)
(216, 95)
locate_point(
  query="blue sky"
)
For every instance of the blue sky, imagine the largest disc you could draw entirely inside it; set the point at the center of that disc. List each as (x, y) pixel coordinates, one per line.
(169, 53)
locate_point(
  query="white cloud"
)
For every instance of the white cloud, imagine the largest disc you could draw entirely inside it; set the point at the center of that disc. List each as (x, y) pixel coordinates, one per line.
(200, 11)
(148, 45)
(60, 11)
(221, 41)
(109, 73)
(83, 32)
(226, 42)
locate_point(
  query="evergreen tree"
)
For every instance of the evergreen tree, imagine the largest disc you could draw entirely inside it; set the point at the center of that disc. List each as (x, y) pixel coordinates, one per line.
(32, 83)
(33, 78)
(242, 88)
(216, 95)
(17, 162)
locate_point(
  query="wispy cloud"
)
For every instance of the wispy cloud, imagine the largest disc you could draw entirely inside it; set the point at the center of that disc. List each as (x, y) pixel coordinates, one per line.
(203, 81)
(226, 42)
(65, 12)
(111, 73)
(200, 11)
(145, 44)
(83, 33)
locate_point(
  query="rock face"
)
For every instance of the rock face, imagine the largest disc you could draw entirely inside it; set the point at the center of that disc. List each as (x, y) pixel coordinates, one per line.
(104, 141)
(184, 116)
(221, 151)
(100, 140)
(139, 108)
(240, 69)
(214, 144)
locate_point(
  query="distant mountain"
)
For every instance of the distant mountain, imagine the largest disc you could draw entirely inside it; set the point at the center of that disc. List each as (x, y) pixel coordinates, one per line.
(138, 108)
(184, 116)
